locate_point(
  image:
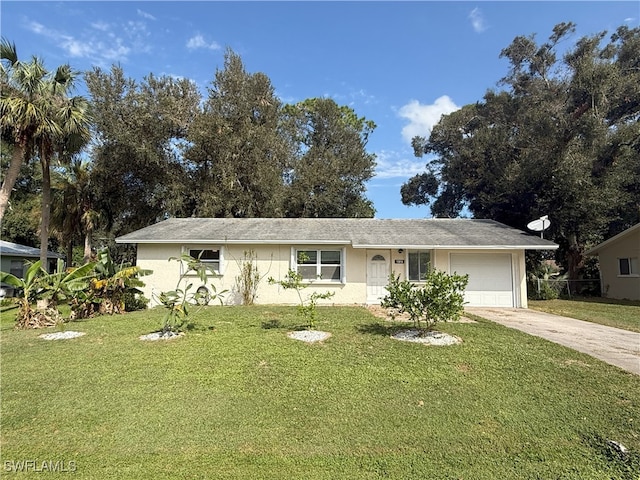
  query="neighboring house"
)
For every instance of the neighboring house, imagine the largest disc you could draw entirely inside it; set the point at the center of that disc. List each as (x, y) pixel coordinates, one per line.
(15, 258)
(619, 266)
(353, 257)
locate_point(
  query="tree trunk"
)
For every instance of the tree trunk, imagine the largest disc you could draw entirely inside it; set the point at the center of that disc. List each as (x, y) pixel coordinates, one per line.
(575, 262)
(87, 245)
(46, 210)
(69, 253)
(17, 157)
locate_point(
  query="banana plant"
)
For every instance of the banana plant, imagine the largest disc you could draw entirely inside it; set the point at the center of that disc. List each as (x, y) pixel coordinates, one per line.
(27, 286)
(30, 289)
(111, 282)
(64, 284)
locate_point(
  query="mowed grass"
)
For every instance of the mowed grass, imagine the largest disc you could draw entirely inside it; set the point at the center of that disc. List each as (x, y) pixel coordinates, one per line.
(623, 314)
(237, 399)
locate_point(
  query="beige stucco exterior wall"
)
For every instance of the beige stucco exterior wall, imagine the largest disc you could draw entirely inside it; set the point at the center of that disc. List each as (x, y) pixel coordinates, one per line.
(271, 260)
(274, 261)
(614, 285)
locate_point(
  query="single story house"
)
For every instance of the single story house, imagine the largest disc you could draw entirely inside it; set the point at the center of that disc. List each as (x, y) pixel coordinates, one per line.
(15, 258)
(351, 257)
(619, 266)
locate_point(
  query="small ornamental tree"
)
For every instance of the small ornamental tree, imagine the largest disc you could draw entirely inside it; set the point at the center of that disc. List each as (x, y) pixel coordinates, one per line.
(178, 302)
(307, 308)
(439, 298)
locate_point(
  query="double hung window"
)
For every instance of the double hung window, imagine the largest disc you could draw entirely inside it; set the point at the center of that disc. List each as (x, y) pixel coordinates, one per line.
(326, 265)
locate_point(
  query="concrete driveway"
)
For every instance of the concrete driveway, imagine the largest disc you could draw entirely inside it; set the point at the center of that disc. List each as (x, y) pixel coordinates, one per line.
(612, 345)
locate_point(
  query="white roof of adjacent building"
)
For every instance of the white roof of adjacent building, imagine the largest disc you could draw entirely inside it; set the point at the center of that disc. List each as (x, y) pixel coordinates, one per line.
(357, 232)
(10, 249)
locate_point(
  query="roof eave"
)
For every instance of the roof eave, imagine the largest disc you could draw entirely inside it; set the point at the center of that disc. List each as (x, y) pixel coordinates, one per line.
(30, 255)
(231, 242)
(335, 242)
(459, 247)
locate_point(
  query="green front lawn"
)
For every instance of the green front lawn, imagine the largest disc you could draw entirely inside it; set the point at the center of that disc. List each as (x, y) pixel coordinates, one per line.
(623, 314)
(237, 399)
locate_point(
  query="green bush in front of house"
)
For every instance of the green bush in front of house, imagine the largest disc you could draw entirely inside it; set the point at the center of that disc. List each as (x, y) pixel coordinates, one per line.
(439, 298)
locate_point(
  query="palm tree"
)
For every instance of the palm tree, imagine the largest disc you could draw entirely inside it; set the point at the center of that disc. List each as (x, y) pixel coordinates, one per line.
(20, 111)
(65, 216)
(71, 117)
(39, 117)
(73, 208)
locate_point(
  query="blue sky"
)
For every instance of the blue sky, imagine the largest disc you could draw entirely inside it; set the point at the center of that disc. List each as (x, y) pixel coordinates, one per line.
(400, 64)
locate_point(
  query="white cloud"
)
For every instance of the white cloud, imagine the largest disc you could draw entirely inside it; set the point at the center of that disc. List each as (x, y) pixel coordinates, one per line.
(352, 97)
(392, 164)
(363, 96)
(422, 118)
(136, 28)
(104, 43)
(36, 27)
(114, 52)
(477, 20)
(102, 26)
(146, 15)
(76, 48)
(198, 41)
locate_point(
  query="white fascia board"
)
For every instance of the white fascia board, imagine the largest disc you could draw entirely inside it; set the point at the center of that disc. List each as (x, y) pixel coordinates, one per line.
(337, 242)
(235, 242)
(460, 247)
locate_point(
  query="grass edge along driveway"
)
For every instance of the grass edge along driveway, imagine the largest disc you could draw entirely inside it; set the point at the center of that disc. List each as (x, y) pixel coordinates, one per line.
(235, 398)
(624, 314)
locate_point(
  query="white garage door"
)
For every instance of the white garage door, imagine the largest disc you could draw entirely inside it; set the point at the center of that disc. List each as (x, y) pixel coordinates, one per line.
(490, 278)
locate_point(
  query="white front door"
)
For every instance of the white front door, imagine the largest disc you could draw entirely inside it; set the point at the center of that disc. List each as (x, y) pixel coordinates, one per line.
(377, 274)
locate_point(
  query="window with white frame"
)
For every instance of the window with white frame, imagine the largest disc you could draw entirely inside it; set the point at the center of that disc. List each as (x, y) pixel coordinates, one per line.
(418, 264)
(326, 265)
(628, 266)
(211, 258)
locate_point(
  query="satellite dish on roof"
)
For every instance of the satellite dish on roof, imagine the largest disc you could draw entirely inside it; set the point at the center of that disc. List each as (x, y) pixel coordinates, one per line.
(540, 225)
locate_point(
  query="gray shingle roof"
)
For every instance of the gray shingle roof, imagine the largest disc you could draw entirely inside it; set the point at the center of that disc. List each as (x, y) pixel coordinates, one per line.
(10, 249)
(358, 232)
